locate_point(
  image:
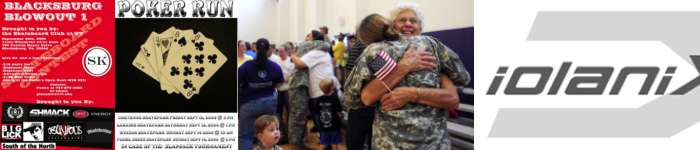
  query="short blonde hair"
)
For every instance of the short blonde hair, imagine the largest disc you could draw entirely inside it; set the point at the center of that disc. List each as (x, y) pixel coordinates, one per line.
(326, 85)
(407, 6)
(263, 121)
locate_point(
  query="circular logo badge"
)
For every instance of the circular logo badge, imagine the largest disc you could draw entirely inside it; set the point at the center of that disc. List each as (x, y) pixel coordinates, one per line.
(15, 112)
(262, 74)
(97, 61)
(80, 114)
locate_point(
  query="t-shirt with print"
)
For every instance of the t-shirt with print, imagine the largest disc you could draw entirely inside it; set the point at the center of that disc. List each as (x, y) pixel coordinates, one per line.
(320, 67)
(256, 82)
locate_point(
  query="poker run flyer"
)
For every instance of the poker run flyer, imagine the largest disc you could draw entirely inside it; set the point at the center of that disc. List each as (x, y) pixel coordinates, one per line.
(166, 68)
(56, 65)
(175, 74)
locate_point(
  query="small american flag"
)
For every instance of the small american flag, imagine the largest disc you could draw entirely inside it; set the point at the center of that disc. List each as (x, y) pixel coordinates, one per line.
(388, 65)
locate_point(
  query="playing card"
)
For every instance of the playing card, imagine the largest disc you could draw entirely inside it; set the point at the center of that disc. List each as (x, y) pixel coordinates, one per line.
(142, 64)
(181, 61)
(149, 54)
(167, 45)
(149, 49)
(169, 40)
(179, 40)
(193, 65)
(163, 41)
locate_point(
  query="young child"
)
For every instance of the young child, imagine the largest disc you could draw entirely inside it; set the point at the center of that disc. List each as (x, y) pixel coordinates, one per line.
(268, 133)
(328, 115)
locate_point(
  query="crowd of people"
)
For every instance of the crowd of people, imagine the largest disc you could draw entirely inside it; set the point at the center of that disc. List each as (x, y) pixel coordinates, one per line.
(386, 85)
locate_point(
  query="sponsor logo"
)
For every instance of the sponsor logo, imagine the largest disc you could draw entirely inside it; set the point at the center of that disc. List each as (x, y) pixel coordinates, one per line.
(65, 130)
(678, 104)
(99, 130)
(100, 114)
(80, 114)
(49, 113)
(15, 112)
(33, 131)
(582, 76)
(11, 132)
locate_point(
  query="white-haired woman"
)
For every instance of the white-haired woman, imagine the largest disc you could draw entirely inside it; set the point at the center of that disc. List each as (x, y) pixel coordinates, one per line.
(412, 100)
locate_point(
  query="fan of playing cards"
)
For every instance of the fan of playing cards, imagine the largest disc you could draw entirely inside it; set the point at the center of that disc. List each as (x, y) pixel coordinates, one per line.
(180, 60)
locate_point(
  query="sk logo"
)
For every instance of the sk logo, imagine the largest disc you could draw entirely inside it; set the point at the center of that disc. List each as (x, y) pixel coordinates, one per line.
(97, 61)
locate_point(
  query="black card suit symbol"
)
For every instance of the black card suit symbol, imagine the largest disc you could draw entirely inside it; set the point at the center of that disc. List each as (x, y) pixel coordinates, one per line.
(187, 58)
(199, 58)
(164, 42)
(182, 41)
(199, 45)
(174, 71)
(212, 58)
(188, 71)
(200, 71)
(187, 84)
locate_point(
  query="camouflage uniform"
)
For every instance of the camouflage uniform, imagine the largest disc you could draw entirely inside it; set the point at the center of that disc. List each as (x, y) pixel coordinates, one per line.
(299, 94)
(414, 126)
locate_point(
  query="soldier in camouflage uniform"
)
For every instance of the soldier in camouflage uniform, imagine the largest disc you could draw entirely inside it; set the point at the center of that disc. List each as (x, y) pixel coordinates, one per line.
(414, 125)
(299, 94)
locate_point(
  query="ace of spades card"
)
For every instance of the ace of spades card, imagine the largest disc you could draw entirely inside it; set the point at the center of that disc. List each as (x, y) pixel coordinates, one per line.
(189, 68)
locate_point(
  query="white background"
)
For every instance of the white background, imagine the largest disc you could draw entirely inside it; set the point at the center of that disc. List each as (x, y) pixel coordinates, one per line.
(290, 20)
(500, 40)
